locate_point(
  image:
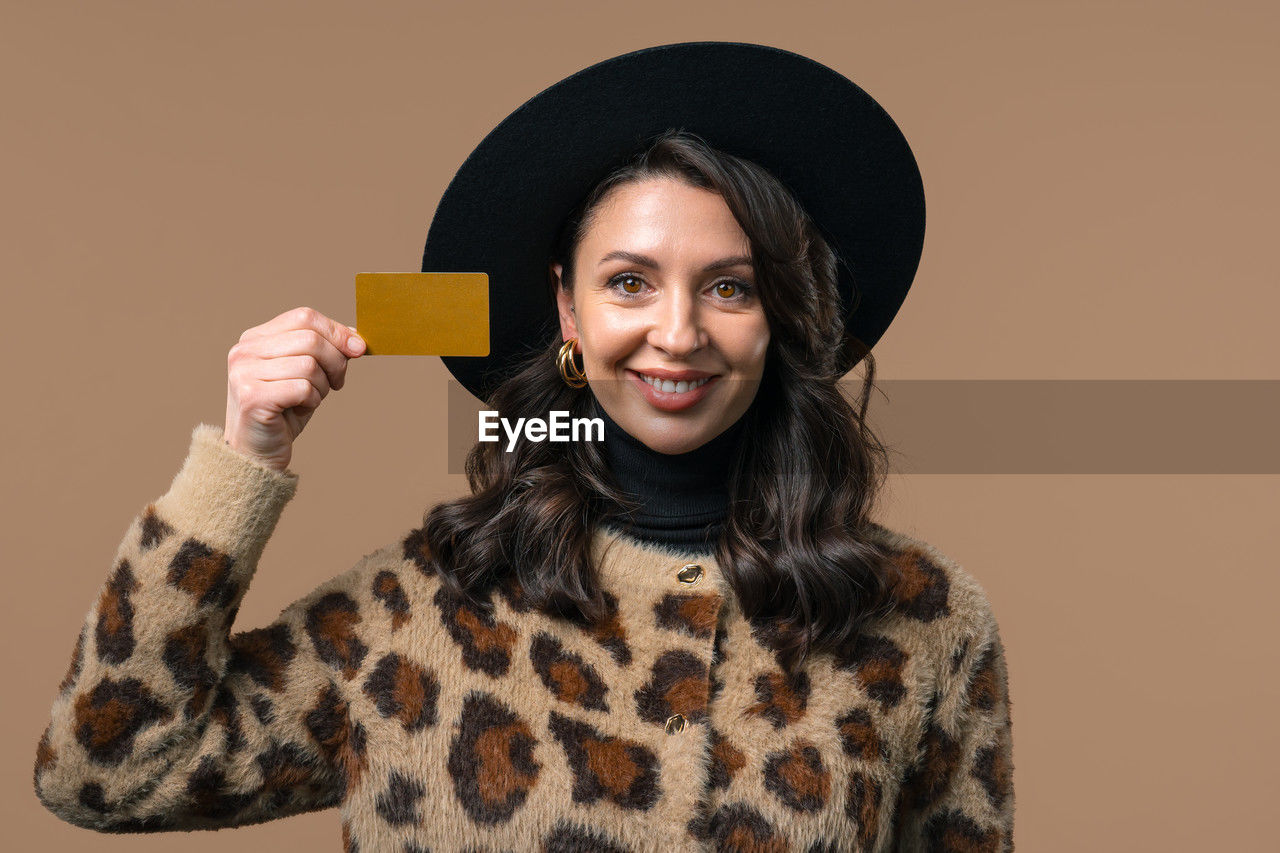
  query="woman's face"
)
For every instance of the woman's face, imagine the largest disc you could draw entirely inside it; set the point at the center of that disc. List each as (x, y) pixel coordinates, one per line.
(664, 307)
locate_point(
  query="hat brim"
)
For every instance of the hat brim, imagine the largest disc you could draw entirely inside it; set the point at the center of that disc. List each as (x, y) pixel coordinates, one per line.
(827, 140)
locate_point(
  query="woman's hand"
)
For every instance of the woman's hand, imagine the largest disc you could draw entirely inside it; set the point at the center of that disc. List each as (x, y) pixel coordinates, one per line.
(277, 374)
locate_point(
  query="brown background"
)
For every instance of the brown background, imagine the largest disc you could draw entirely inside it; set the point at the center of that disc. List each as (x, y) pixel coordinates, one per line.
(1101, 180)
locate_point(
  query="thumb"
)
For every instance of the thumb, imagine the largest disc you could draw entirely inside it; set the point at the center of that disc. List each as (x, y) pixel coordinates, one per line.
(355, 343)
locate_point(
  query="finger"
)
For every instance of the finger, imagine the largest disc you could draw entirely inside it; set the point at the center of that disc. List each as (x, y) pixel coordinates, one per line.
(296, 342)
(343, 337)
(293, 393)
(294, 318)
(294, 367)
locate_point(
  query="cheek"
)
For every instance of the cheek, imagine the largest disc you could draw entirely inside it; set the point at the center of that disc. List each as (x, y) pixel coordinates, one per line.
(745, 343)
(609, 336)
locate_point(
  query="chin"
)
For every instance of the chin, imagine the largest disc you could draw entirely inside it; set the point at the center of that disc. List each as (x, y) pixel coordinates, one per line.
(673, 442)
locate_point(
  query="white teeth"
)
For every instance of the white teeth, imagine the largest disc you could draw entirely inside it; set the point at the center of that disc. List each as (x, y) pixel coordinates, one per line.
(669, 387)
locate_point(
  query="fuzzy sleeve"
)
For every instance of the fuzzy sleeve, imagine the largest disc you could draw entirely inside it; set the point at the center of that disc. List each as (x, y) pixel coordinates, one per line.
(958, 796)
(165, 720)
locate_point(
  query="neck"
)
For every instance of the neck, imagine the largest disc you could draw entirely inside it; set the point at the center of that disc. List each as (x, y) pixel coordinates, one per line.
(683, 498)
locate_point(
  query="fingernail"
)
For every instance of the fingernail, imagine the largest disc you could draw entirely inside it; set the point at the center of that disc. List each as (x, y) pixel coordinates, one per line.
(355, 343)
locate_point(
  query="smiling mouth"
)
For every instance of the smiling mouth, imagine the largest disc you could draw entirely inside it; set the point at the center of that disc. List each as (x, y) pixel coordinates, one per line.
(668, 386)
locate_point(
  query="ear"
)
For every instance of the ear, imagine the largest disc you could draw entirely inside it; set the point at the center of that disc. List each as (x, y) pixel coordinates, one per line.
(564, 304)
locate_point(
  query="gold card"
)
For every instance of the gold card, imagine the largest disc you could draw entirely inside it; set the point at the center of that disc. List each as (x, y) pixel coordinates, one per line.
(423, 313)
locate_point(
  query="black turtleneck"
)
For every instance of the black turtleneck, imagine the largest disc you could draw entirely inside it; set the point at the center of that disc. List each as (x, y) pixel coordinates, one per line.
(684, 498)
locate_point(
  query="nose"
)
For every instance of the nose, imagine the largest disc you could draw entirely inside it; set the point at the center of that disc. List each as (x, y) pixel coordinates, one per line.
(677, 327)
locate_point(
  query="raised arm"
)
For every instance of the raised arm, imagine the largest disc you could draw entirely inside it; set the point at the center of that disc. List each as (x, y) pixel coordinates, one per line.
(959, 795)
(164, 721)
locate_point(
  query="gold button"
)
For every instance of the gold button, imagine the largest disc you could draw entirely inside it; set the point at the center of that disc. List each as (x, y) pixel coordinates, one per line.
(675, 724)
(690, 573)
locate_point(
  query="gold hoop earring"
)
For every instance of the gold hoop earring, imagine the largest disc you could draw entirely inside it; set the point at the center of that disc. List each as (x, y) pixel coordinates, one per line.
(569, 370)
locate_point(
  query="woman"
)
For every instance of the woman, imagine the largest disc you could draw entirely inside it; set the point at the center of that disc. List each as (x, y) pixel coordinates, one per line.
(688, 636)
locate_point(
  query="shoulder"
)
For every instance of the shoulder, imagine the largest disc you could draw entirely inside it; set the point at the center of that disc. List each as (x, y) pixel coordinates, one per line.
(933, 595)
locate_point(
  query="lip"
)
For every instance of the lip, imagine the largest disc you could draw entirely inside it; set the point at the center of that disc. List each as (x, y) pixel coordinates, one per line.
(674, 375)
(672, 401)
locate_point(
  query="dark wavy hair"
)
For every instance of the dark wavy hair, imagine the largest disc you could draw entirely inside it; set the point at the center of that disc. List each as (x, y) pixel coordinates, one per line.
(794, 546)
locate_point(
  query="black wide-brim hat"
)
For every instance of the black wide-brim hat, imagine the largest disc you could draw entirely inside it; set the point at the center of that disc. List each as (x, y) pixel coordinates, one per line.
(828, 141)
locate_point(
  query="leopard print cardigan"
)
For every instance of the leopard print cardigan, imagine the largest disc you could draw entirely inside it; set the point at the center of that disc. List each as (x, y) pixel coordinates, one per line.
(434, 725)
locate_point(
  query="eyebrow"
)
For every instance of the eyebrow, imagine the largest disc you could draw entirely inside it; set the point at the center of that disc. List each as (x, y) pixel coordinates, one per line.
(646, 261)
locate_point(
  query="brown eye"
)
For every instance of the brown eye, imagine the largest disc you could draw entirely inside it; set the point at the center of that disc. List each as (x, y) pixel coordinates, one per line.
(727, 289)
(630, 284)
